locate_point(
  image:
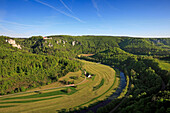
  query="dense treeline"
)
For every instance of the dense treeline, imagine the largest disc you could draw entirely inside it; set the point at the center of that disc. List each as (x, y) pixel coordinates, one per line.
(146, 84)
(21, 70)
(62, 45)
(119, 58)
(146, 79)
(146, 46)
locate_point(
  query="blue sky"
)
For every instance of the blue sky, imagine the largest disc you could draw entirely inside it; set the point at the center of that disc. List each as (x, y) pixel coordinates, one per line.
(24, 18)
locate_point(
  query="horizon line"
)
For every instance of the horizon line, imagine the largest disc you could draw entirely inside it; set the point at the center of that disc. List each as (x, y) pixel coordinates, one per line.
(130, 36)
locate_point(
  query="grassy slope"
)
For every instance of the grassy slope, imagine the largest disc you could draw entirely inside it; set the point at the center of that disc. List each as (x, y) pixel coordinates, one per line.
(83, 96)
(164, 65)
(146, 46)
(58, 84)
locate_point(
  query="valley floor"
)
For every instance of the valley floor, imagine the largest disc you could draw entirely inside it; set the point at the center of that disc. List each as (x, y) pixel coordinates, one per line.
(87, 91)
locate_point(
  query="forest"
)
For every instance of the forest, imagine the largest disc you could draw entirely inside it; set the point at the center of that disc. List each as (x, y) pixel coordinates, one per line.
(43, 61)
(21, 70)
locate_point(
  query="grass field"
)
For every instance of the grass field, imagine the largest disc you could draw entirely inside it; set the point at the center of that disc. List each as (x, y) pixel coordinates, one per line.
(52, 100)
(164, 65)
(59, 84)
(86, 55)
(70, 76)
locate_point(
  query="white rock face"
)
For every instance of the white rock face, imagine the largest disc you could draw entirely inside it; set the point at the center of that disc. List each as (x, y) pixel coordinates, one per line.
(10, 41)
(18, 46)
(73, 43)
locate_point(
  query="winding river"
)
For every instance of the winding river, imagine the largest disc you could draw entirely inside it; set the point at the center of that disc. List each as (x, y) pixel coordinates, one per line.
(118, 91)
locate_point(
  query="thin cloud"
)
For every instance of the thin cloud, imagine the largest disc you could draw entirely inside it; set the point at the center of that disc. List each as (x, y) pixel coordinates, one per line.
(96, 7)
(62, 12)
(111, 6)
(4, 28)
(15, 23)
(66, 6)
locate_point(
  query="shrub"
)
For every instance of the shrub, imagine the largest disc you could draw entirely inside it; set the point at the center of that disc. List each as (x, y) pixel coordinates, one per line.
(22, 89)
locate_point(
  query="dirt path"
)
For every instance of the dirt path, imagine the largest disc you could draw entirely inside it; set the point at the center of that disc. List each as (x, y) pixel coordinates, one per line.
(46, 89)
(81, 82)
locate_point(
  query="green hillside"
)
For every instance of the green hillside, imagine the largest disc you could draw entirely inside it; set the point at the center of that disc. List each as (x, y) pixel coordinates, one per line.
(145, 46)
(62, 45)
(21, 70)
(36, 61)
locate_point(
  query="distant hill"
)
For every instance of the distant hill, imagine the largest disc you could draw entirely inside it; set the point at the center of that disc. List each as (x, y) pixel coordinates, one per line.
(94, 44)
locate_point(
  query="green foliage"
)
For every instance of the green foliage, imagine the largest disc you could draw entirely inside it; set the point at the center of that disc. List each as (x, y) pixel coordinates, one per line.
(99, 85)
(42, 62)
(53, 93)
(146, 77)
(93, 77)
(143, 46)
(74, 77)
(22, 89)
(21, 70)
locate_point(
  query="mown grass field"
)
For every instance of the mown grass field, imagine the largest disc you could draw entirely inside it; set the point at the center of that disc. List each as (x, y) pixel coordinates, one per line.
(67, 78)
(52, 100)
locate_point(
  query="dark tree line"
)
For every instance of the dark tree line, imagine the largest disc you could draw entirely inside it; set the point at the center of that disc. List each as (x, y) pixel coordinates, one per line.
(146, 78)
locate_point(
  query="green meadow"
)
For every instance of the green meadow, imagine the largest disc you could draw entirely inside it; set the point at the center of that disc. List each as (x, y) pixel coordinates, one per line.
(51, 100)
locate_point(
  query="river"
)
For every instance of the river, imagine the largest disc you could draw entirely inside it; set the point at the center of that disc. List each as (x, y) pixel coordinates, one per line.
(118, 91)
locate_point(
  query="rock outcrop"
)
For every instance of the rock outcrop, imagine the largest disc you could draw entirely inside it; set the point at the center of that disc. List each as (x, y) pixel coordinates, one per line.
(13, 43)
(73, 43)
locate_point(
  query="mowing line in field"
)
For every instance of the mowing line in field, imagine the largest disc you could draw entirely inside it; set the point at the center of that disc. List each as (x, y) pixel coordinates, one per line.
(45, 89)
(83, 97)
(98, 86)
(60, 92)
(7, 106)
(27, 101)
(98, 96)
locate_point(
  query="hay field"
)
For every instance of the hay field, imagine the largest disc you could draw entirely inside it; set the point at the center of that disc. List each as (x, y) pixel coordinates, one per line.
(164, 65)
(66, 97)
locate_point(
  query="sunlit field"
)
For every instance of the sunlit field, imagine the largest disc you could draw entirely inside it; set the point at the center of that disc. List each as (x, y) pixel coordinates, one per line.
(51, 100)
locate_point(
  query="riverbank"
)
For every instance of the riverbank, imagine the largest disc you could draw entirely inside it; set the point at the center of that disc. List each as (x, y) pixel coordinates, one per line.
(111, 98)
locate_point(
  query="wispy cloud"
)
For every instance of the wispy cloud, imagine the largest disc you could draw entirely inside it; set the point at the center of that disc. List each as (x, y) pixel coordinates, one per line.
(62, 12)
(15, 23)
(111, 6)
(66, 6)
(5, 29)
(10, 27)
(96, 7)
